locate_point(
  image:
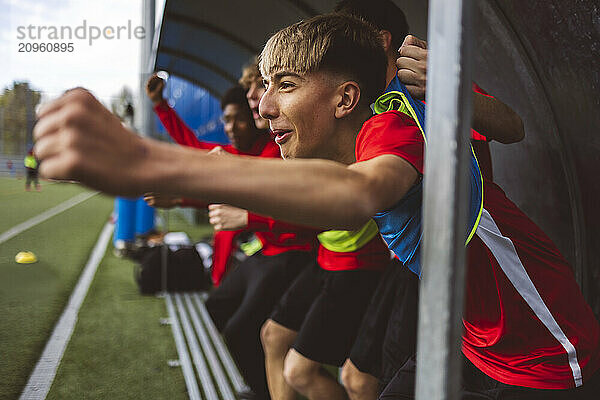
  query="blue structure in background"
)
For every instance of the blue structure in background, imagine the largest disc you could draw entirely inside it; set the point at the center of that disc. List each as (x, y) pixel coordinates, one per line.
(125, 211)
(144, 217)
(133, 217)
(197, 108)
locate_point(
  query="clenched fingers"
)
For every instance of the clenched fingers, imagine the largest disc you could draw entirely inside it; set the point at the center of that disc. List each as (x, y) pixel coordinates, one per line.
(214, 207)
(414, 52)
(77, 94)
(410, 77)
(414, 41)
(154, 84)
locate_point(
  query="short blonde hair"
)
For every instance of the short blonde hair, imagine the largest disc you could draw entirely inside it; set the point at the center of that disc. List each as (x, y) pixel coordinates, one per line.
(336, 43)
(250, 73)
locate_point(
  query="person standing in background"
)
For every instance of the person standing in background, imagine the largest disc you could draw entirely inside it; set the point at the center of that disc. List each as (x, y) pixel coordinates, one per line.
(31, 165)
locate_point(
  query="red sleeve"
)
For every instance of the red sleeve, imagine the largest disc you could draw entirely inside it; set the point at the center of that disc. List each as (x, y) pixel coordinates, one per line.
(271, 150)
(478, 89)
(477, 136)
(223, 245)
(259, 223)
(177, 129)
(393, 133)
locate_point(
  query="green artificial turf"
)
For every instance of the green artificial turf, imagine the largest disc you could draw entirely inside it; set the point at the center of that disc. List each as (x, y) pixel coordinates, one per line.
(19, 205)
(118, 349)
(32, 297)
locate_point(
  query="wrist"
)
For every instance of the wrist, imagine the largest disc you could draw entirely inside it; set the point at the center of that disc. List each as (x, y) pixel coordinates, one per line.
(154, 167)
(169, 169)
(157, 101)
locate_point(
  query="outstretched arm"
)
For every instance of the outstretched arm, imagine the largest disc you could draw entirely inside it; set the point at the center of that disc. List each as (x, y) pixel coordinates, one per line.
(78, 138)
(495, 120)
(491, 117)
(228, 218)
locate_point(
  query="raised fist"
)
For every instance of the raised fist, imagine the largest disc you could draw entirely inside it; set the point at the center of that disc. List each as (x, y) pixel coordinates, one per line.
(224, 217)
(154, 88)
(412, 66)
(77, 138)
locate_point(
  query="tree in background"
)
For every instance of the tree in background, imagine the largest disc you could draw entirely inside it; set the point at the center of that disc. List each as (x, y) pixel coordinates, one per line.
(122, 104)
(17, 116)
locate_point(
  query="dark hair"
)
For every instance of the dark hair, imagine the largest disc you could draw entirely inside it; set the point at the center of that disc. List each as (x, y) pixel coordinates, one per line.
(336, 43)
(383, 14)
(236, 95)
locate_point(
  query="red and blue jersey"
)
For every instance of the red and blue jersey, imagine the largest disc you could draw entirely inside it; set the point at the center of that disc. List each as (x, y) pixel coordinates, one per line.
(400, 226)
(526, 321)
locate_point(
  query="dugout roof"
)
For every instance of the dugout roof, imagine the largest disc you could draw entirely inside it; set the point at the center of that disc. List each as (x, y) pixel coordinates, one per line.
(208, 42)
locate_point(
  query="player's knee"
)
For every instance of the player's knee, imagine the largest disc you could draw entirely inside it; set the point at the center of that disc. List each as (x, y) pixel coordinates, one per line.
(299, 373)
(269, 336)
(275, 338)
(356, 383)
(350, 379)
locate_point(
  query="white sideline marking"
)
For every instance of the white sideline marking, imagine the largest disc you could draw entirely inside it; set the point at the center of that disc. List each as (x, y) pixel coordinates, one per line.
(65, 205)
(45, 370)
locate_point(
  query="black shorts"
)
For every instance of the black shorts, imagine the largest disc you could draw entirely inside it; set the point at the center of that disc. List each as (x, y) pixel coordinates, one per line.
(243, 303)
(326, 308)
(478, 386)
(388, 333)
(247, 295)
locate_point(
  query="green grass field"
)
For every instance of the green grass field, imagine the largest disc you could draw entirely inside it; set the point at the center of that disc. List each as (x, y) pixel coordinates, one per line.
(118, 349)
(18, 205)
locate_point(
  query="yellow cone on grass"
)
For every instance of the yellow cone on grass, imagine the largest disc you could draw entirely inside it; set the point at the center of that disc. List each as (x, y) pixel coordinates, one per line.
(25, 257)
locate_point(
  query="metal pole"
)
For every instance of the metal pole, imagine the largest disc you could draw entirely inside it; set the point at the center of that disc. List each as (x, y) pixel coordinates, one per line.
(445, 200)
(146, 119)
(164, 276)
(145, 214)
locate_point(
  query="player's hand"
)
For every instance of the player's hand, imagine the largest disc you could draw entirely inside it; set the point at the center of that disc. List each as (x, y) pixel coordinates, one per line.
(154, 89)
(224, 217)
(412, 66)
(159, 200)
(78, 138)
(219, 151)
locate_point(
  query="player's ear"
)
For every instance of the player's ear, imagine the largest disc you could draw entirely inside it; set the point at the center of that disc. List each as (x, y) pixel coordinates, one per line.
(386, 38)
(348, 98)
